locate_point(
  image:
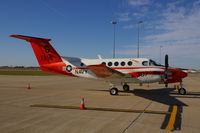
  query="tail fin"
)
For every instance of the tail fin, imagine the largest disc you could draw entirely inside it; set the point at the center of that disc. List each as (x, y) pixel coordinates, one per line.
(48, 59)
(43, 50)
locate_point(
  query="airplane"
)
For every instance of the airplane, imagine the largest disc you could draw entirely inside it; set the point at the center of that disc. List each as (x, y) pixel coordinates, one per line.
(116, 71)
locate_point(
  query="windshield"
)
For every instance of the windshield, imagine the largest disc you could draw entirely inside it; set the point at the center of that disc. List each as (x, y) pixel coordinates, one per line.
(153, 63)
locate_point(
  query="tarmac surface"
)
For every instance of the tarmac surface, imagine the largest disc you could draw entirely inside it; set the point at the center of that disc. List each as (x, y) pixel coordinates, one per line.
(17, 115)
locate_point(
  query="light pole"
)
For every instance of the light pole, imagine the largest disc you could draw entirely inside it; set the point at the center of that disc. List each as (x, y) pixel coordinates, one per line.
(114, 23)
(139, 22)
(160, 52)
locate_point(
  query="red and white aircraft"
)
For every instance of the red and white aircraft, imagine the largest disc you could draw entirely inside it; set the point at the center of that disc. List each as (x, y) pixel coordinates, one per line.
(115, 71)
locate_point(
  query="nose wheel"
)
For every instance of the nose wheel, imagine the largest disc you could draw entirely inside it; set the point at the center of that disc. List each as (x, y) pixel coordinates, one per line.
(181, 90)
(113, 91)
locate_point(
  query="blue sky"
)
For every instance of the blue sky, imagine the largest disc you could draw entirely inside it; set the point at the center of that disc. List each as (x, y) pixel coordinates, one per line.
(82, 29)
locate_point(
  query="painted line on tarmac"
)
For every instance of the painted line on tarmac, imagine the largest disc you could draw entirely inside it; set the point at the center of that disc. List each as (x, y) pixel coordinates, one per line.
(170, 125)
(102, 109)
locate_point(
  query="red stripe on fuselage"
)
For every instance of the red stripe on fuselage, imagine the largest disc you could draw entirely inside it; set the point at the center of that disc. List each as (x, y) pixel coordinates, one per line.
(124, 67)
(136, 67)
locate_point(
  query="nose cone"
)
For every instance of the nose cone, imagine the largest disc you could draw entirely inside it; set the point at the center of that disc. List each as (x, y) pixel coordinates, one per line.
(183, 74)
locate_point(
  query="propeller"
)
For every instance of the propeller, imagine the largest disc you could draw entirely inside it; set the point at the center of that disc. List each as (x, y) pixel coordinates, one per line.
(165, 72)
(166, 62)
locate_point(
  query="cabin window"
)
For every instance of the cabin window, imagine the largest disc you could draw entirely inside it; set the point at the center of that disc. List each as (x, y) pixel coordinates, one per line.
(81, 64)
(103, 63)
(130, 63)
(109, 63)
(116, 63)
(145, 63)
(122, 63)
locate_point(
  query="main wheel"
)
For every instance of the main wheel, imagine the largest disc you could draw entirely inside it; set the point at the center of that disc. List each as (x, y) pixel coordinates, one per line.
(126, 88)
(182, 91)
(113, 91)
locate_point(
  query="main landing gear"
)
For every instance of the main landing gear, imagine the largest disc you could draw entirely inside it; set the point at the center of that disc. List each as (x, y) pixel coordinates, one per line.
(114, 90)
(181, 90)
(126, 88)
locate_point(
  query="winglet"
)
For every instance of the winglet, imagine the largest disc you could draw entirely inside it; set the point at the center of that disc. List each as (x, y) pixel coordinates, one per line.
(29, 38)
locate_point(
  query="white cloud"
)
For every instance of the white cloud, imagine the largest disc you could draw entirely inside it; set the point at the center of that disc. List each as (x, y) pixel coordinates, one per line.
(178, 27)
(138, 15)
(124, 16)
(131, 26)
(138, 2)
(175, 27)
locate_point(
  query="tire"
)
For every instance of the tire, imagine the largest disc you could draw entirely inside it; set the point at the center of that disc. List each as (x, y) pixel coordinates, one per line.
(113, 91)
(166, 85)
(182, 91)
(126, 88)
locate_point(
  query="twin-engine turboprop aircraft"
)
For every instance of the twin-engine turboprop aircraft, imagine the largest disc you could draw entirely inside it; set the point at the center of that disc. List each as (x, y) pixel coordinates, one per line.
(115, 71)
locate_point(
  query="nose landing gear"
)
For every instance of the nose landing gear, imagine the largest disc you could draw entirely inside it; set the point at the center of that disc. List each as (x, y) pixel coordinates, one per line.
(181, 90)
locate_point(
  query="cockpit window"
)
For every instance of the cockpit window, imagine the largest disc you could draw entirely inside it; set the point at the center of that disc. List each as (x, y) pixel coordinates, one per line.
(153, 63)
(145, 63)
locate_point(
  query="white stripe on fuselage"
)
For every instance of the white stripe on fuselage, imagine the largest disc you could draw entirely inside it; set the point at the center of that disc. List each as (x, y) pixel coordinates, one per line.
(140, 70)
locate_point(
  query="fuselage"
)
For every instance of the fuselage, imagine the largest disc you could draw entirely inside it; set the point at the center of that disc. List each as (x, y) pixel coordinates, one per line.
(141, 70)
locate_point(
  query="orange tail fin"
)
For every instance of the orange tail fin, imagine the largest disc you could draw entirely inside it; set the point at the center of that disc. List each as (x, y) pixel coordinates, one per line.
(48, 58)
(43, 50)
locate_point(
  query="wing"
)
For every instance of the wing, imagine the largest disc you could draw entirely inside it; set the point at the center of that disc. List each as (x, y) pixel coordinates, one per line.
(102, 71)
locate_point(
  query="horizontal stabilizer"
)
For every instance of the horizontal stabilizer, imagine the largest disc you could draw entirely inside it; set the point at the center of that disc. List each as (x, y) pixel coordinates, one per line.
(29, 38)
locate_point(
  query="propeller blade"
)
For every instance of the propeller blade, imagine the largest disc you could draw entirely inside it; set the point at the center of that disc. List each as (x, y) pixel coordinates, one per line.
(166, 85)
(166, 61)
(166, 67)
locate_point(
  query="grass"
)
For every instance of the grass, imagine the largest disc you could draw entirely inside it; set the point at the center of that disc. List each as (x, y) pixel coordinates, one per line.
(26, 72)
(194, 74)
